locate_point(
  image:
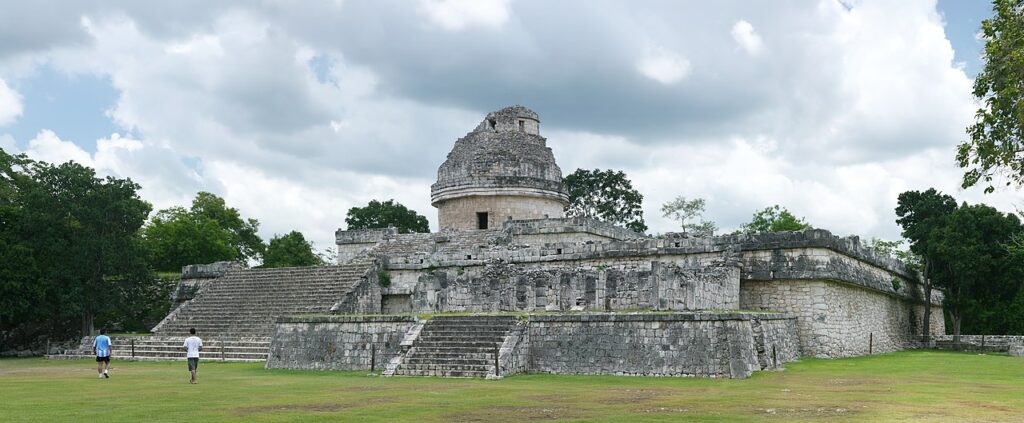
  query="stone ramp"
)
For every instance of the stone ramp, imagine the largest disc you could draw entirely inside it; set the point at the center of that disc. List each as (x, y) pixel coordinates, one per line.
(456, 346)
(245, 303)
(168, 348)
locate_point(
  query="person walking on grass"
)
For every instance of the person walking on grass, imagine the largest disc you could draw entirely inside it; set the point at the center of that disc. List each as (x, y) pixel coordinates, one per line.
(102, 348)
(192, 346)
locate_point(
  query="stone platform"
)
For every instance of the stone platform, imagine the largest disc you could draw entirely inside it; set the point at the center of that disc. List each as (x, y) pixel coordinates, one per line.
(689, 344)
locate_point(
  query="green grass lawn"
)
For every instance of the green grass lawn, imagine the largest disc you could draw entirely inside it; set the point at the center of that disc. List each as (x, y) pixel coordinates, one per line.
(912, 385)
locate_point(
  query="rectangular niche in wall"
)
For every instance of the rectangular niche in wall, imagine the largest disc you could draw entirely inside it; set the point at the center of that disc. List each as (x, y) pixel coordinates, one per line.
(396, 303)
(481, 220)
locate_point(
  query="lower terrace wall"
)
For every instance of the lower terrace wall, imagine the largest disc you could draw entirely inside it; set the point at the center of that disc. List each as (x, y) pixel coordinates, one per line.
(698, 345)
(841, 320)
(337, 342)
(650, 344)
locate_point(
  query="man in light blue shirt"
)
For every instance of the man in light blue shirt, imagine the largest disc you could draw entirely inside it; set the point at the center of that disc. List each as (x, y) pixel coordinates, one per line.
(102, 348)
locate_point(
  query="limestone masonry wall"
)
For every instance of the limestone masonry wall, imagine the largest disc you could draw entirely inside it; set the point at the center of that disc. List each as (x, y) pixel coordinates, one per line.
(507, 287)
(655, 344)
(841, 320)
(337, 343)
(699, 345)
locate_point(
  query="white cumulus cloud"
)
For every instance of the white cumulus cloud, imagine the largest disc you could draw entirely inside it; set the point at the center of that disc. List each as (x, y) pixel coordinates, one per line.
(10, 104)
(663, 65)
(744, 34)
(457, 15)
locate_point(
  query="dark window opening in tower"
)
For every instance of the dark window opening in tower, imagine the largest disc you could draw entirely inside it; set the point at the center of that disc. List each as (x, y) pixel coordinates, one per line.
(481, 220)
(522, 126)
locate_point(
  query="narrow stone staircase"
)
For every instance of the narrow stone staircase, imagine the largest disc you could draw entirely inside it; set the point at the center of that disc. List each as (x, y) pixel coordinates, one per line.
(164, 348)
(456, 346)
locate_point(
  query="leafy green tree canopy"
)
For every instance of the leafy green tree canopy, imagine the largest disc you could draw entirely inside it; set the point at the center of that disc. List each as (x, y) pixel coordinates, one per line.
(774, 219)
(207, 232)
(996, 144)
(979, 273)
(684, 211)
(76, 235)
(919, 213)
(175, 237)
(290, 250)
(378, 214)
(243, 231)
(606, 195)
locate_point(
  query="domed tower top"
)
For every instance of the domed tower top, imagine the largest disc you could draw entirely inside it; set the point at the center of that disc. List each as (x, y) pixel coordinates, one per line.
(502, 170)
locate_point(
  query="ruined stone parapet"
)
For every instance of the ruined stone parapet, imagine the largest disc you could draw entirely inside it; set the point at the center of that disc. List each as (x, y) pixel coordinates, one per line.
(356, 242)
(568, 229)
(364, 236)
(212, 270)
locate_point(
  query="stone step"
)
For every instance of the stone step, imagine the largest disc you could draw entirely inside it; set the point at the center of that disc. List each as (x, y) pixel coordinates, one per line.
(181, 354)
(474, 319)
(448, 362)
(467, 329)
(158, 358)
(450, 353)
(445, 367)
(470, 344)
(178, 349)
(443, 373)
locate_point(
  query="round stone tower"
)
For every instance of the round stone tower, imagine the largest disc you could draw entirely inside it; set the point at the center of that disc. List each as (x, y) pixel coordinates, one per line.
(502, 170)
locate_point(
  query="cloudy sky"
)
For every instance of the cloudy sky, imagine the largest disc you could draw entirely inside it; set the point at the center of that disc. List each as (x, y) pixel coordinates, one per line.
(295, 112)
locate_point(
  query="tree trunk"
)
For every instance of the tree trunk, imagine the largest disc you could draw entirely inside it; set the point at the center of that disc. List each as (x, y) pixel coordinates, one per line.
(956, 327)
(87, 323)
(927, 323)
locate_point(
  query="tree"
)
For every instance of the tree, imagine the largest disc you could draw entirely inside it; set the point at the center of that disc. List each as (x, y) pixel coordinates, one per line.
(175, 237)
(978, 272)
(996, 144)
(207, 232)
(774, 219)
(84, 236)
(290, 250)
(683, 210)
(243, 232)
(378, 214)
(607, 195)
(920, 213)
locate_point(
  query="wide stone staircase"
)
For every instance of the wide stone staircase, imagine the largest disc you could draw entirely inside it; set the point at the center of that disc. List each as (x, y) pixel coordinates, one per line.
(456, 346)
(246, 303)
(235, 314)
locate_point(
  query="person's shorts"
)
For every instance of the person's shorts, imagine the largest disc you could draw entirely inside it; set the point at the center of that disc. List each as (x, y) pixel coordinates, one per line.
(103, 359)
(193, 363)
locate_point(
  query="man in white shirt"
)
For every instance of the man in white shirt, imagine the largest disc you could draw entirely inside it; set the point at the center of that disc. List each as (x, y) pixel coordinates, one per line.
(192, 346)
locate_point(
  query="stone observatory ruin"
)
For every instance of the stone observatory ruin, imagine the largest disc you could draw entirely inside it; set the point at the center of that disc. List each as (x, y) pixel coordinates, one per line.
(509, 285)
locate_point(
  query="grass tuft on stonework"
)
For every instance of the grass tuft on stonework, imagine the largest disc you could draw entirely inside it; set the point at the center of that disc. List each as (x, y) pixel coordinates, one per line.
(908, 386)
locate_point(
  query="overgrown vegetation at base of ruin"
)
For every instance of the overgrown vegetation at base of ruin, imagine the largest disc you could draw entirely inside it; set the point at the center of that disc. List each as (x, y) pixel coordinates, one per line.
(910, 385)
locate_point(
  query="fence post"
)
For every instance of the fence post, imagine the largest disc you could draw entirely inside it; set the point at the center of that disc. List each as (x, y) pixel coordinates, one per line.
(983, 341)
(222, 356)
(373, 357)
(775, 361)
(133, 347)
(871, 343)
